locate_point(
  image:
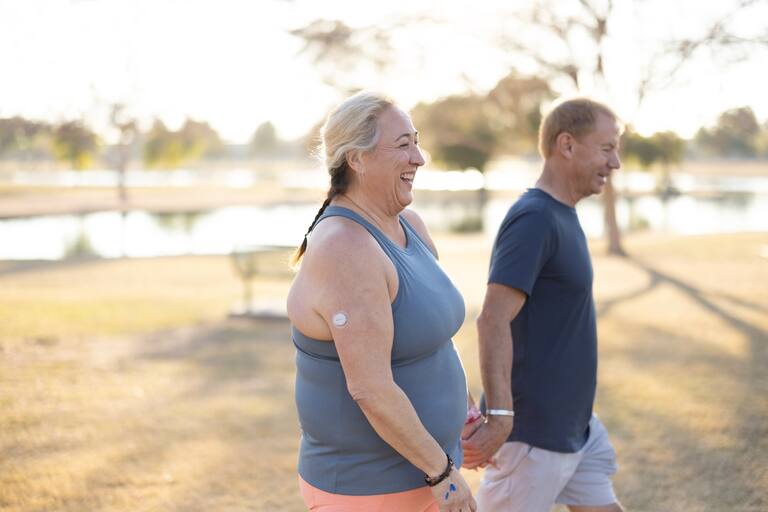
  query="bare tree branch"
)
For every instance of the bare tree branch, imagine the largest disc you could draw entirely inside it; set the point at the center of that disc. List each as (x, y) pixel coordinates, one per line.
(339, 51)
(717, 38)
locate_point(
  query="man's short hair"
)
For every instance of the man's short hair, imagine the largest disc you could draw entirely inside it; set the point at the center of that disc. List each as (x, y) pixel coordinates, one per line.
(576, 116)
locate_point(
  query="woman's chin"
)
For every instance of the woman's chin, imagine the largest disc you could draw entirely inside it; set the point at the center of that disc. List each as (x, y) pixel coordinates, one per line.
(405, 200)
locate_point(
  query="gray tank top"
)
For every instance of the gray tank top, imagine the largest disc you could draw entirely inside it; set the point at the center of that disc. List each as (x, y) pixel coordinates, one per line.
(340, 452)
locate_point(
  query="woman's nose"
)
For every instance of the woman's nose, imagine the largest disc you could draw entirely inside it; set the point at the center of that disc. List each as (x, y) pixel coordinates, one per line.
(417, 158)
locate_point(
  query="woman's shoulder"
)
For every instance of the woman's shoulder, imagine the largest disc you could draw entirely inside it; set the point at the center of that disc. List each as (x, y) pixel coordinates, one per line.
(340, 241)
(339, 234)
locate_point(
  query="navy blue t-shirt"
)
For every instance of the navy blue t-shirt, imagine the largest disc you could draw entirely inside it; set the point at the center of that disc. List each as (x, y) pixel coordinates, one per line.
(541, 250)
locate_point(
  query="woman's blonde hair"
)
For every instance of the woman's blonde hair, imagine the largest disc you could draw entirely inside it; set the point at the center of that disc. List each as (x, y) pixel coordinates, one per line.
(351, 127)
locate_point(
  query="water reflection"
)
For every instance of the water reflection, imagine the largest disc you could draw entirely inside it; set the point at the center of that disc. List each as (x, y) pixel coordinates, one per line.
(219, 231)
(79, 246)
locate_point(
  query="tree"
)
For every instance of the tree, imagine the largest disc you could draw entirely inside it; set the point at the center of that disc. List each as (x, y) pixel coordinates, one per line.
(666, 148)
(639, 149)
(761, 141)
(458, 131)
(18, 134)
(161, 148)
(515, 109)
(264, 140)
(166, 148)
(720, 40)
(75, 143)
(340, 52)
(671, 150)
(735, 134)
(200, 140)
(127, 130)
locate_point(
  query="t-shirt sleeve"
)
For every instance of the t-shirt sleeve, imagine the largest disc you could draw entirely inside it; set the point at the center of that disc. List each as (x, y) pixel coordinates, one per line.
(523, 245)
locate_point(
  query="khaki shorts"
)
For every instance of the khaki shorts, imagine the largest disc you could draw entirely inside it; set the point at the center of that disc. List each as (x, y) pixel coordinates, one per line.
(530, 479)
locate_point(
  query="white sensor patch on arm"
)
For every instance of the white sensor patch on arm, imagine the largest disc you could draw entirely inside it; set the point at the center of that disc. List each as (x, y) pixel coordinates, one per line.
(340, 319)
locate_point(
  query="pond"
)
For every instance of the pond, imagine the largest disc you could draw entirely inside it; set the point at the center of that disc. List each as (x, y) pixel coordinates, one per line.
(222, 230)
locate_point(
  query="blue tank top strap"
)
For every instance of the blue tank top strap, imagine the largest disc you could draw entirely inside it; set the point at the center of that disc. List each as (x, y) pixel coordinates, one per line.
(414, 235)
(414, 240)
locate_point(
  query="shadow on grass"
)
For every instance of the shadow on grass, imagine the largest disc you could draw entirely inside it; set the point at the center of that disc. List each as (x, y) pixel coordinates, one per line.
(757, 338)
(719, 465)
(690, 438)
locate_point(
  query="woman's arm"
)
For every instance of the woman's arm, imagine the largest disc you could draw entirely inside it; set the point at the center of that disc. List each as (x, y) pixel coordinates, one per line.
(353, 277)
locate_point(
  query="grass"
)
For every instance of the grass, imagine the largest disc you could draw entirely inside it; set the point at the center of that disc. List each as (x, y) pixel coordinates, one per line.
(123, 387)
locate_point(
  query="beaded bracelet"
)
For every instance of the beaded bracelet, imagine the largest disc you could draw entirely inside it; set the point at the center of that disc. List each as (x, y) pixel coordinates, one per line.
(434, 481)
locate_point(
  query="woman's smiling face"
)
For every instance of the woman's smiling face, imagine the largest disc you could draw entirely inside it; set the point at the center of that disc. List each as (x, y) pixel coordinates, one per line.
(389, 169)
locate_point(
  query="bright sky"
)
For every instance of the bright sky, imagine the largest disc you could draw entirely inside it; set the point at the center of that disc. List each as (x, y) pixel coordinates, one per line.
(234, 64)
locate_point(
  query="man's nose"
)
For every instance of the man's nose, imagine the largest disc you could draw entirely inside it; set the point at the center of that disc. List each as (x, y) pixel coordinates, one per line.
(615, 162)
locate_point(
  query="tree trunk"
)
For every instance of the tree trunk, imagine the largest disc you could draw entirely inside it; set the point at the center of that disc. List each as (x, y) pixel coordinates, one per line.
(609, 220)
(482, 202)
(122, 164)
(121, 192)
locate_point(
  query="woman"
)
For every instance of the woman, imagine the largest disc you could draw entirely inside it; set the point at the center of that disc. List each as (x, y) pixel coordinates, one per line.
(380, 389)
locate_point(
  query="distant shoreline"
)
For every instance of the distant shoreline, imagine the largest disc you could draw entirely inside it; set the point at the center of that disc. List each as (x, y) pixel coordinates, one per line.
(18, 201)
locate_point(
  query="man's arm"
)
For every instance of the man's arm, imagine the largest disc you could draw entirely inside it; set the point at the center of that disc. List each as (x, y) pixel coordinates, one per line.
(501, 305)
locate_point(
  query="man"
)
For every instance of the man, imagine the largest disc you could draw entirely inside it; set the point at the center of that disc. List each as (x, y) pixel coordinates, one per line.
(537, 333)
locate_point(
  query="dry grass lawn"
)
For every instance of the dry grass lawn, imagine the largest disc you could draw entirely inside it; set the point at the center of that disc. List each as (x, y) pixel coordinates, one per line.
(123, 387)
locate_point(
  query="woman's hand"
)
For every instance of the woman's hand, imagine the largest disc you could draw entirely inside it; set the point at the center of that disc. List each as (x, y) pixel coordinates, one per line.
(453, 494)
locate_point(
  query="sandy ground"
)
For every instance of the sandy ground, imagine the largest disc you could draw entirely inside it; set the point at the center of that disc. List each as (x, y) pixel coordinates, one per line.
(124, 387)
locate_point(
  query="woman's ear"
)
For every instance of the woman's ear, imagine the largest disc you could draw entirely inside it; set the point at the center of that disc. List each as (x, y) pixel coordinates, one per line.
(355, 162)
(564, 144)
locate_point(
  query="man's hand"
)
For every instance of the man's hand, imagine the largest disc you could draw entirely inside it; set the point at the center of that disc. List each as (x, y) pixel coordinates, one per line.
(486, 441)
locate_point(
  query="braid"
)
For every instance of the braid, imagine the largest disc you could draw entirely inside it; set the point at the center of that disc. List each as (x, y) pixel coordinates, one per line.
(339, 182)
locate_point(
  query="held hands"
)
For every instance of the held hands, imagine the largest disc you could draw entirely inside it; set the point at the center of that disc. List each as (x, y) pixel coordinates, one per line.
(453, 494)
(485, 440)
(473, 422)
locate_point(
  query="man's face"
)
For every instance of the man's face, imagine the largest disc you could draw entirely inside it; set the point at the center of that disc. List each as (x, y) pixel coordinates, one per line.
(596, 155)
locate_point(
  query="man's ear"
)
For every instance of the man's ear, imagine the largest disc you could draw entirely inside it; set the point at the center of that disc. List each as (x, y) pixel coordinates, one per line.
(564, 144)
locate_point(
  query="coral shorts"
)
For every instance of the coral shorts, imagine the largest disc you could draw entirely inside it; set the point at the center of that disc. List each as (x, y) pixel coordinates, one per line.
(416, 500)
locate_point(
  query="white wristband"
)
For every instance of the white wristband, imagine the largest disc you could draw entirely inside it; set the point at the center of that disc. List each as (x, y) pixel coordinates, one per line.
(499, 412)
